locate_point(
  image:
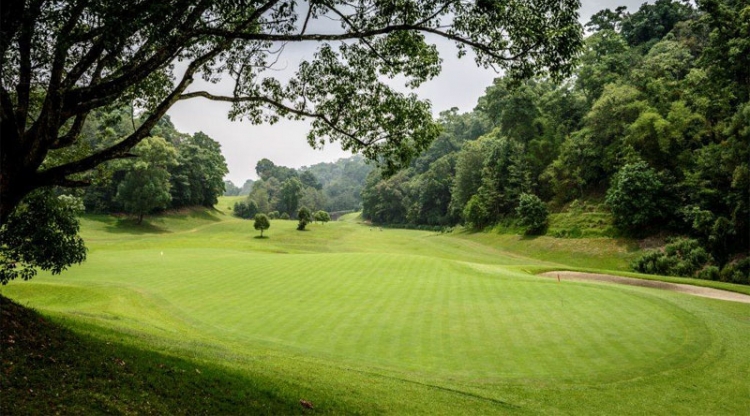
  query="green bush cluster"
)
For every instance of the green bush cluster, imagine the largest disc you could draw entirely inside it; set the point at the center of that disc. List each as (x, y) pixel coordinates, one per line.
(533, 213)
(686, 257)
(245, 209)
(681, 257)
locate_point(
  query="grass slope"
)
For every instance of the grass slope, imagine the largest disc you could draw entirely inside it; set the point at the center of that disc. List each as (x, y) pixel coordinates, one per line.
(360, 320)
(47, 369)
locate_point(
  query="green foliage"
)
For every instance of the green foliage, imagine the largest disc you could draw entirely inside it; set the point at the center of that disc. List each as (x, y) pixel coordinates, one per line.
(605, 60)
(736, 272)
(653, 21)
(468, 177)
(342, 182)
(261, 223)
(42, 233)
(385, 200)
(322, 216)
(533, 213)
(194, 164)
(197, 179)
(274, 215)
(681, 257)
(146, 186)
(305, 217)
(635, 197)
(283, 216)
(432, 194)
(290, 194)
(657, 117)
(475, 214)
(245, 209)
(506, 174)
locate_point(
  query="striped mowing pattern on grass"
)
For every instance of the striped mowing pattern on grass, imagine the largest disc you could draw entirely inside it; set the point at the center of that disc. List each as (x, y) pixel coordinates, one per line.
(398, 320)
(408, 312)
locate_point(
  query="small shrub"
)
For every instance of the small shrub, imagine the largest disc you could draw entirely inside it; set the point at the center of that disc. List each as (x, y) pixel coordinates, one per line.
(273, 215)
(322, 216)
(709, 273)
(533, 213)
(262, 223)
(285, 216)
(304, 217)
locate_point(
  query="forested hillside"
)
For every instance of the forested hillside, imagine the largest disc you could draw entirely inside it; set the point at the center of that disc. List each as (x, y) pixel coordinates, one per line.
(171, 170)
(281, 190)
(655, 122)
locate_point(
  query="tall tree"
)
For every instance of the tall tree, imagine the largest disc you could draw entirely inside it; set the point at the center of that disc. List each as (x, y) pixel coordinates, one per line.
(201, 167)
(291, 192)
(146, 186)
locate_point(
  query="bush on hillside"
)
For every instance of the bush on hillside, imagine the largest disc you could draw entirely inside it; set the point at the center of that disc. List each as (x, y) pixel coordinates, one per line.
(245, 209)
(533, 213)
(681, 257)
(322, 216)
(635, 197)
(736, 272)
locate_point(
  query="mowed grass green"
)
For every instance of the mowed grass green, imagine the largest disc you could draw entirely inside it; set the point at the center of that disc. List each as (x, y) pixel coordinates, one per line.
(365, 320)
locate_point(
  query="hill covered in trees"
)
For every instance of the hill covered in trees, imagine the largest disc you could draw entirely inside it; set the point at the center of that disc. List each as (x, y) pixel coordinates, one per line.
(172, 170)
(655, 122)
(332, 187)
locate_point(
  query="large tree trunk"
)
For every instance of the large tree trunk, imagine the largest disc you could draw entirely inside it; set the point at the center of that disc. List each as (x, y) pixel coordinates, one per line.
(18, 166)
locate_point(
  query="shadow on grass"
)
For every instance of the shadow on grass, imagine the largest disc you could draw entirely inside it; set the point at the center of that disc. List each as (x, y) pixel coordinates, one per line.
(264, 237)
(131, 226)
(106, 376)
(192, 213)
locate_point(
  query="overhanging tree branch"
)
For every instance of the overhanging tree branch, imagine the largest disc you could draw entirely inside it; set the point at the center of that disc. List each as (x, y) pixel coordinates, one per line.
(279, 106)
(365, 34)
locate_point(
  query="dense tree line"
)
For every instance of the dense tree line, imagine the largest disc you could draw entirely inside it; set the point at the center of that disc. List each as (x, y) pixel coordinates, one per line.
(327, 187)
(172, 169)
(655, 120)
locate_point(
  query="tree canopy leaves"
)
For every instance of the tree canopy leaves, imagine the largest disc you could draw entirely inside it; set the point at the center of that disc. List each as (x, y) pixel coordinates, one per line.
(61, 61)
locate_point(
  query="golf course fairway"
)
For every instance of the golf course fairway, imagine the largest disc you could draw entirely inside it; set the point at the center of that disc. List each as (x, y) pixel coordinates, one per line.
(358, 319)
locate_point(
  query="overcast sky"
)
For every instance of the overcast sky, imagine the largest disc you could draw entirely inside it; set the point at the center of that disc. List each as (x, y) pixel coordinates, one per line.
(459, 85)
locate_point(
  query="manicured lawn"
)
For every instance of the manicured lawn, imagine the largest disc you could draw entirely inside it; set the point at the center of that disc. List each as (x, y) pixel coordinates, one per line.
(363, 320)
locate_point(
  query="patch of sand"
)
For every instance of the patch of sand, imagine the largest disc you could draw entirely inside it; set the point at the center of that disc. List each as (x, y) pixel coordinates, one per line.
(705, 292)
